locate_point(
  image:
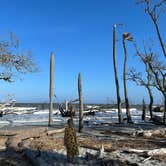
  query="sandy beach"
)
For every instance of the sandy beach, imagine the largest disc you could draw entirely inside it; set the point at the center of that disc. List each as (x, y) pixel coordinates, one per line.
(106, 144)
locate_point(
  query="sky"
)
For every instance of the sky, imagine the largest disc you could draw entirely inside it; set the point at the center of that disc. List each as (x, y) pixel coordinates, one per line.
(79, 32)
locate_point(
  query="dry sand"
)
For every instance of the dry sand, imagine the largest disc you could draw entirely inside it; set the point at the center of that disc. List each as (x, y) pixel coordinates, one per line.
(115, 139)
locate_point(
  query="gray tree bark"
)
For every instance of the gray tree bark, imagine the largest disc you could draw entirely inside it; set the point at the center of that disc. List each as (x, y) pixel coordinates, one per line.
(143, 110)
(120, 118)
(124, 83)
(150, 102)
(80, 104)
(51, 94)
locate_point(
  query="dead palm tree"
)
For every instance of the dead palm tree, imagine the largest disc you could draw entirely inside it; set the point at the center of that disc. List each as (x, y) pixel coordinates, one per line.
(126, 37)
(116, 76)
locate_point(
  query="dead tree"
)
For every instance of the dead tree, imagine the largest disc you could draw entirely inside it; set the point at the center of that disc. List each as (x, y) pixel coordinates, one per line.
(154, 10)
(164, 82)
(126, 37)
(139, 79)
(156, 73)
(51, 94)
(143, 110)
(80, 103)
(158, 68)
(116, 76)
(13, 62)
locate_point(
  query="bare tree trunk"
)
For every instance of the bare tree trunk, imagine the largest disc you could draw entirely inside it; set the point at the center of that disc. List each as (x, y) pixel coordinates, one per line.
(143, 110)
(116, 76)
(51, 90)
(151, 102)
(160, 39)
(164, 86)
(155, 17)
(80, 104)
(66, 105)
(164, 117)
(124, 83)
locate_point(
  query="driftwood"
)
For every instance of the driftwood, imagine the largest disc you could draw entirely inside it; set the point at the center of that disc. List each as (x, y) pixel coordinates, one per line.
(161, 132)
(7, 134)
(157, 152)
(89, 113)
(14, 142)
(55, 131)
(154, 152)
(66, 113)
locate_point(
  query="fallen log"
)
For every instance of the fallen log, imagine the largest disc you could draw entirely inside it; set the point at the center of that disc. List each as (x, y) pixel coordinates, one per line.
(161, 132)
(157, 152)
(14, 142)
(154, 152)
(55, 131)
(7, 135)
(134, 150)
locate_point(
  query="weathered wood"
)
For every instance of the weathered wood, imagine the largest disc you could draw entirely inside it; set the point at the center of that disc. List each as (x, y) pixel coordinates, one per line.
(116, 77)
(55, 131)
(66, 113)
(80, 103)
(126, 36)
(8, 134)
(13, 142)
(143, 110)
(134, 150)
(51, 94)
(152, 133)
(157, 152)
(66, 104)
(154, 152)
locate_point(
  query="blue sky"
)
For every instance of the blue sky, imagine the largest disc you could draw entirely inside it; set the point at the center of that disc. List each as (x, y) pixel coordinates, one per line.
(79, 32)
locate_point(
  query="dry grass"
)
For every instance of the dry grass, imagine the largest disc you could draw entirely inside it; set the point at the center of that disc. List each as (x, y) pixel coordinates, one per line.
(160, 158)
(46, 144)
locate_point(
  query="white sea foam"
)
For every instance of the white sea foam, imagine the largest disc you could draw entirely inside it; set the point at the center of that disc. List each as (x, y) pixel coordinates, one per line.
(28, 115)
(4, 122)
(46, 112)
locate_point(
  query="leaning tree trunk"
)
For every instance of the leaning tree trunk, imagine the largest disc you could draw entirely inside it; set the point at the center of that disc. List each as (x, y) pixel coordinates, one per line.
(151, 102)
(51, 94)
(124, 83)
(160, 39)
(116, 76)
(80, 104)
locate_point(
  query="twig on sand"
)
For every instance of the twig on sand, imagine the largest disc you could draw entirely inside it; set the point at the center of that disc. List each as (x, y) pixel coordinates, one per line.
(147, 159)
